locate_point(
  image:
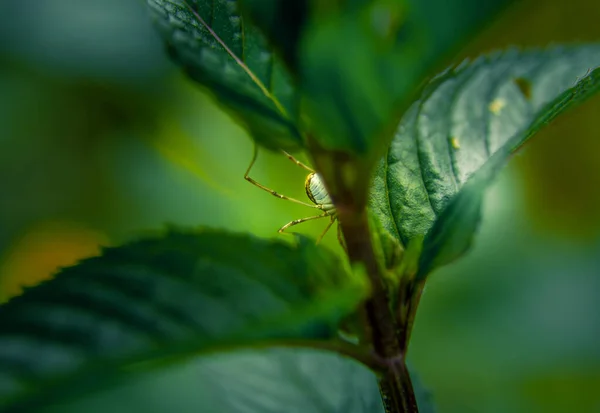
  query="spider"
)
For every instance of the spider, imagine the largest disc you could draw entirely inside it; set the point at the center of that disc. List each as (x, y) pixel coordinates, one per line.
(315, 190)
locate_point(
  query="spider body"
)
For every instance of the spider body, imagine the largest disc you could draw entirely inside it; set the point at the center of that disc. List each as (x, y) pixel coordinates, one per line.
(315, 190)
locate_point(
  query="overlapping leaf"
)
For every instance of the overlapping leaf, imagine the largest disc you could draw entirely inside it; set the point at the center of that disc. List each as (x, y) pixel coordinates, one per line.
(454, 139)
(361, 66)
(183, 294)
(250, 381)
(218, 49)
(283, 23)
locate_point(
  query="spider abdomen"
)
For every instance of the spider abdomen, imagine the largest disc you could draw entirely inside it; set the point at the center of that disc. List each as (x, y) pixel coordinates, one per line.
(316, 192)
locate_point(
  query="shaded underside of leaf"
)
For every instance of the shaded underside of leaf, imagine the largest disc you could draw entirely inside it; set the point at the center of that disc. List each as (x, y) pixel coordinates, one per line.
(361, 67)
(282, 21)
(215, 46)
(270, 380)
(464, 127)
(185, 293)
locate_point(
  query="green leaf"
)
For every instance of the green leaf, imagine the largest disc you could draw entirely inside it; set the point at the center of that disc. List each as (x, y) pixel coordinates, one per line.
(361, 66)
(175, 296)
(217, 48)
(251, 381)
(282, 21)
(452, 142)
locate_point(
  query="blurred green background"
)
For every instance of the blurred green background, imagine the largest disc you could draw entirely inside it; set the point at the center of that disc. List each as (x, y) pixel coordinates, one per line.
(102, 140)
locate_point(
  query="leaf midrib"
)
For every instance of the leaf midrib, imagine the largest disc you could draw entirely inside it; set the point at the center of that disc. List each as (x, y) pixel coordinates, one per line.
(236, 58)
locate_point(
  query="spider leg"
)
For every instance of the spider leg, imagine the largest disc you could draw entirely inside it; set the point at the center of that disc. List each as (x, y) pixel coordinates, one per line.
(300, 221)
(297, 162)
(340, 237)
(269, 190)
(326, 229)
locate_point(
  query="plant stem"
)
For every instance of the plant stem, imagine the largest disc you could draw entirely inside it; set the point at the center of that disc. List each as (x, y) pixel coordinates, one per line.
(410, 295)
(397, 389)
(395, 384)
(348, 190)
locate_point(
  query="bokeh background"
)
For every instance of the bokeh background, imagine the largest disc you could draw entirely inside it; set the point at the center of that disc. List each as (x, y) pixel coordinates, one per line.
(102, 139)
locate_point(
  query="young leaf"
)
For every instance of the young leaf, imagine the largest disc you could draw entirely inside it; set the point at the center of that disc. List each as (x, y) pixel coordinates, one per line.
(453, 140)
(180, 295)
(361, 65)
(221, 51)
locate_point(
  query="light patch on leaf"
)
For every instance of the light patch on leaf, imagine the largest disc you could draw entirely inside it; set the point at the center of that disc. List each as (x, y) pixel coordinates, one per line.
(497, 105)
(494, 104)
(455, 142)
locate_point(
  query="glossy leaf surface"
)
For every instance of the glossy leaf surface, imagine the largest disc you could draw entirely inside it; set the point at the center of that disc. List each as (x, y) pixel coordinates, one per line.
(217, 48)
(451, 143)
(175, 296)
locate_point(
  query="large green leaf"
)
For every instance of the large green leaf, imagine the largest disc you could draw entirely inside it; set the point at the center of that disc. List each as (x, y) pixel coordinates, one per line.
(251, 381)
(361, 66)
(218, 49)
(454, 139)
(179, 295)
(270, 380)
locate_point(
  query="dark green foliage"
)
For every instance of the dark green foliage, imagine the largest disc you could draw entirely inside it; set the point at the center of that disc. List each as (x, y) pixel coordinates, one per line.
(283, 22)
(394, 45)
(177, 295)
(362, 65)
(213, 43)
(337, 78)
(253, 381)
(454, 139)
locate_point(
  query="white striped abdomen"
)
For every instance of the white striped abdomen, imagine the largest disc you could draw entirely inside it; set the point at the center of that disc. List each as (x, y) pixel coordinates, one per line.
(315, 189)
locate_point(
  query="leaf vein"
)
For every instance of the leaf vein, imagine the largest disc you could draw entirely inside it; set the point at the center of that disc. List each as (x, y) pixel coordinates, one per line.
(500, 81)
(388, 197)
(238, 60)
(420, 160)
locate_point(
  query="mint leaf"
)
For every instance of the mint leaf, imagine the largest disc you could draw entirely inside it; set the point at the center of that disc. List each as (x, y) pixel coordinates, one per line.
(362, 64)
(170, 297)
(217, 48)
(250, 381)
(451, 142)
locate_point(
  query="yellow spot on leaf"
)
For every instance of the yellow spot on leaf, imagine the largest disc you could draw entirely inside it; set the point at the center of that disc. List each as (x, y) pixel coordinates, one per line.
(455, 142)
(496, 105)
